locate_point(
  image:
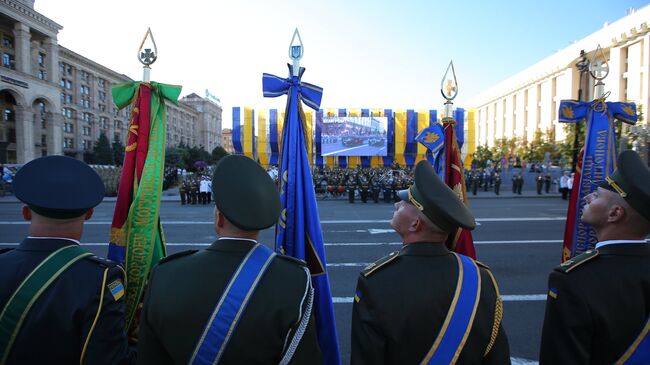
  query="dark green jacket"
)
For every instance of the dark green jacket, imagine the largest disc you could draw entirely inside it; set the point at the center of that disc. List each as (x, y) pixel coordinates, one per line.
(185, 288)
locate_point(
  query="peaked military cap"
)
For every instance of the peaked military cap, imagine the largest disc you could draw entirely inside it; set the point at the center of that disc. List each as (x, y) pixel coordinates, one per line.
(631, 180)
(58, 187)
(245, 193)
(436, 200)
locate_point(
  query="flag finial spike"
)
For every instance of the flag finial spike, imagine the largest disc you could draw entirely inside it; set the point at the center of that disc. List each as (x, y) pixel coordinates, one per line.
(296, 50)
(599, 69)
(449, 88)
(147, 54)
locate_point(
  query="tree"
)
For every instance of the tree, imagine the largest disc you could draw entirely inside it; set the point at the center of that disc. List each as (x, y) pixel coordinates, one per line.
(218, 153)
(482, 155)
(118, 151)
(102, 153)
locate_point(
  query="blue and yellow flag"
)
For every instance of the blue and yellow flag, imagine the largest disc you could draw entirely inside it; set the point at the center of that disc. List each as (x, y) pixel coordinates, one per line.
(432, 137)
(298, 232)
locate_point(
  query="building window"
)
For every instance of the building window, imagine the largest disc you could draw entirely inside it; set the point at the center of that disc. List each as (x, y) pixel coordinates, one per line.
(41, 75)
(43, 140)
(101, 95)
(103, 122)
(62, 83)
(68, 143)
(8, 60)
(9, 115)
(101, 107)
(68, 98)
(7, 41)
(101, 83)
(87, 145)
(67, 113)
(62, 70)
(68, 127)
(87, 117)
(68, 84)
(41, 59)
(117, 124)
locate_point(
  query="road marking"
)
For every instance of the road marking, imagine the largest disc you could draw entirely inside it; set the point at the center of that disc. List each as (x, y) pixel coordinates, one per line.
(333, 244)
(505, 298)
(359, 221)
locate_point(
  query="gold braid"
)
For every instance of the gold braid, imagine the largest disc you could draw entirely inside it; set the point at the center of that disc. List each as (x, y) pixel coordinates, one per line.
(498, 315)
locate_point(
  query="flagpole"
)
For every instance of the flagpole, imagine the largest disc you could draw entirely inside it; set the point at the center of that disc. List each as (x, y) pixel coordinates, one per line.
(147, 55)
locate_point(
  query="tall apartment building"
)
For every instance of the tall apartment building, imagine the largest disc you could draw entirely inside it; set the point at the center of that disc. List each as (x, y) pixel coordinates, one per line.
(528, 101)
(55, 101)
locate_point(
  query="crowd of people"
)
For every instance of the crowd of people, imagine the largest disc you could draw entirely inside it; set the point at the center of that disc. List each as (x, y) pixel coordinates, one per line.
(421, 304)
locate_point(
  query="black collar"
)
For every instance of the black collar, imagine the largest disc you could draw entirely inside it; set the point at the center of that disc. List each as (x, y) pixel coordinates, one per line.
(626, 249)
(231, 245)
(424, 249)
(44, 244)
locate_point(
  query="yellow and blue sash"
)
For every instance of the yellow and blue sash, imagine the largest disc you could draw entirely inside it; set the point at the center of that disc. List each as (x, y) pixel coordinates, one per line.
(17, 308)
(459, 320)
(231, 305)
(639, 351)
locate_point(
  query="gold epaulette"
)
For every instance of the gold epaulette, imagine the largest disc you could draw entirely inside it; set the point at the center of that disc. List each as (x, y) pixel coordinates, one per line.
(368, 270)
(571, 264)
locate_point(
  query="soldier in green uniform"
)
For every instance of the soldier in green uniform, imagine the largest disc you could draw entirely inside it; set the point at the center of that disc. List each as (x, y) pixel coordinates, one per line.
(598, 304)
(403, 305)
(59, 303)
(182, 190)
(351, 187)
(236, 302)
(364, 186)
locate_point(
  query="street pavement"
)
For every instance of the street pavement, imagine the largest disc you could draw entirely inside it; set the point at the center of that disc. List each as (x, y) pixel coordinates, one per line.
(519, 237)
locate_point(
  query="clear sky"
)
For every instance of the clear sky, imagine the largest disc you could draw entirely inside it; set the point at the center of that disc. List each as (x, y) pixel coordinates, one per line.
(365, 54)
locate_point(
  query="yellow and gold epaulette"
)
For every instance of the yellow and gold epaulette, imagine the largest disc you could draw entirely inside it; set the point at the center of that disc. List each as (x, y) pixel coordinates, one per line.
(368, 270)
(571, 264)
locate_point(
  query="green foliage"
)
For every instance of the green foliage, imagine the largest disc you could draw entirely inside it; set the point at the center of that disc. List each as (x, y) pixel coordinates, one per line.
(118, 151)
(102, 153)
(218, 153)
(482, 155)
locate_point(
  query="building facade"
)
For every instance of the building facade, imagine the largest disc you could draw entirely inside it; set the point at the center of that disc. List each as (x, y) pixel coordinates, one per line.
(528, 101)
(226, 140)
(55, 101)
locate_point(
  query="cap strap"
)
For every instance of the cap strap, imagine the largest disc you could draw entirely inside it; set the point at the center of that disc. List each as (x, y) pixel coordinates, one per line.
(614, 185)
(415, 202)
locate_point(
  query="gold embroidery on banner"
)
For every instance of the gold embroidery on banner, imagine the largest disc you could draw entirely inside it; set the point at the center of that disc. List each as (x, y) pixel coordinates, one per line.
(567, 112)
(431, 137)
(628, 109)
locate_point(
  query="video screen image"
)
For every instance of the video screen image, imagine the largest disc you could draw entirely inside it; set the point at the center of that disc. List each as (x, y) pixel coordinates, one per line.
(354, 136)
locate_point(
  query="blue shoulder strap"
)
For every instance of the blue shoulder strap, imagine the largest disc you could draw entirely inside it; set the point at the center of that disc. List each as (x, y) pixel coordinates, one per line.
(231, 305)
(639, 351)
(459, 320)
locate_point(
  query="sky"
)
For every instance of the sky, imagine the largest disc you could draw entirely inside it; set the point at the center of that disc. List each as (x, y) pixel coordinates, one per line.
(364, 54)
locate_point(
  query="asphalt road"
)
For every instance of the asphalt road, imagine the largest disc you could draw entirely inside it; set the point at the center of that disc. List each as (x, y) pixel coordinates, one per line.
(520, 239)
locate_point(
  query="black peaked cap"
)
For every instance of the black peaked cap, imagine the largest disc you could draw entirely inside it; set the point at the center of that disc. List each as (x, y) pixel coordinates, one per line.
(245, 193)
(436, 200)
(631, 180)
(58, 187)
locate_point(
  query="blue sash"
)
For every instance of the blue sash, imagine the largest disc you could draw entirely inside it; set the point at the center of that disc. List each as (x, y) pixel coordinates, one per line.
(639, 351)
(231, 305)
(457, 325)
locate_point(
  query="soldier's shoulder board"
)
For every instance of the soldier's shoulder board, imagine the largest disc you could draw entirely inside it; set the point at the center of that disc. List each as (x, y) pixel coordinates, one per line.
(102, 261)
(581, 259)
(382, 262)
(176, 256)
(293, 260)
(480, 264)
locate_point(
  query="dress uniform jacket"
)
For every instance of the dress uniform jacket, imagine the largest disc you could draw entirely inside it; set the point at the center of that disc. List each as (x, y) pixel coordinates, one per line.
(68, 312)
(597, 305)
(185, 288)
(402, 301)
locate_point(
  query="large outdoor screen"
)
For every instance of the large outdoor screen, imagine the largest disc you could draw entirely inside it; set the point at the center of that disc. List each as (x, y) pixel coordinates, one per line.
(354, 136)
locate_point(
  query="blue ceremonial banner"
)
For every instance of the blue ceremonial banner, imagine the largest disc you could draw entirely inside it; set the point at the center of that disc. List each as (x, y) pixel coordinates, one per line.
(343, 160)
(432, 137)
(298, 232)
(365, 160)
(319, 134)
(433, 120)
(598, 160)
(273, 136)
(459, 117)
(390, 137)
(411, 149)
(236, 131)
